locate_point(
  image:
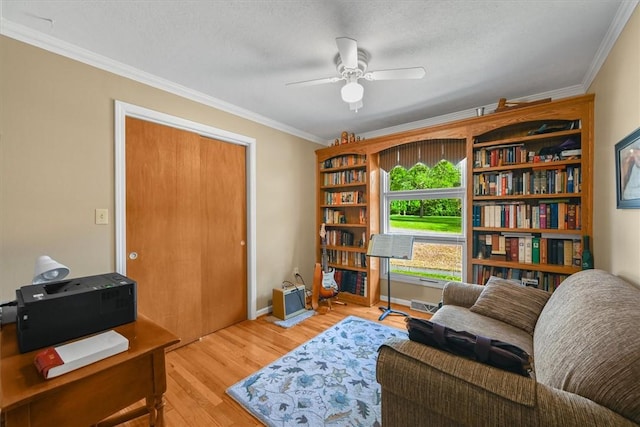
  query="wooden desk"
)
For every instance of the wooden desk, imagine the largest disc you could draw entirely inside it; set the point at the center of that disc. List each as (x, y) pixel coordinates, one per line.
(87, 395)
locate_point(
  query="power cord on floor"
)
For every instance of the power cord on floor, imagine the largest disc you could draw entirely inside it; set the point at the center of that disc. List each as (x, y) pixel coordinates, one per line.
(299, 279)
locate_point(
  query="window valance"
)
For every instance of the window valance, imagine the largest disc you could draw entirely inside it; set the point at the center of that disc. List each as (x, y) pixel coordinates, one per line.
(429, 152)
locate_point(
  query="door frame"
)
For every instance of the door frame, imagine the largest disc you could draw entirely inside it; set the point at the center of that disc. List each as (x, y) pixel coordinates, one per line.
(124, 110)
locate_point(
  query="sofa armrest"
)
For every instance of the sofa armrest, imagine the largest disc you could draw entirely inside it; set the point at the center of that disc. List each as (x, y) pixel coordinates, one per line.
(561, 408)
(461, 294)
(452, 387)
(428, 382)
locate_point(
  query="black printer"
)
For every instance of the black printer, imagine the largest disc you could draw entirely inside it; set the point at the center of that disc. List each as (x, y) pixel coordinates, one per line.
(55, 312)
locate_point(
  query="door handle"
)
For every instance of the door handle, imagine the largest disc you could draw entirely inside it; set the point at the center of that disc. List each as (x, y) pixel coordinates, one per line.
(133, 255)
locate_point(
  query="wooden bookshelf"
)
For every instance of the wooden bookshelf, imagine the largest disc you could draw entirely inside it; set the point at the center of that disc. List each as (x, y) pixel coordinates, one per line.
(348, 206)
(523, 188)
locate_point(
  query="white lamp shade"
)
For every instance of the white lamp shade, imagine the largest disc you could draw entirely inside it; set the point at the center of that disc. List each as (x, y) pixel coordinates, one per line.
(48, 270)
(352, 92)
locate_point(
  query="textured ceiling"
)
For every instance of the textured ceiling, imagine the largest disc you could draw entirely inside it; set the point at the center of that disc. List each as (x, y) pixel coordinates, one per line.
(238, 55)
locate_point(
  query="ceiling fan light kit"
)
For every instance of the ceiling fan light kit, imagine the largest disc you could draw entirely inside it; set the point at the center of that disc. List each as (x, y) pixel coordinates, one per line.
(352, 92)
(351, 64)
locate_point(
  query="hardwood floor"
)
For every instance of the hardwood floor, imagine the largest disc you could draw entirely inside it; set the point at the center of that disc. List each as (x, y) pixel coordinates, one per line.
(199, 373)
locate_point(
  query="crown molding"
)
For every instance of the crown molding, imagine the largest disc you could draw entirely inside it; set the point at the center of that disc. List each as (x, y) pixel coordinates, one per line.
(465, 114)
(619, 21)
(57, 46)
(54, 45)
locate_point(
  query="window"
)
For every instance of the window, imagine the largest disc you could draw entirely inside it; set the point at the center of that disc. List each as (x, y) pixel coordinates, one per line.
(429, 204)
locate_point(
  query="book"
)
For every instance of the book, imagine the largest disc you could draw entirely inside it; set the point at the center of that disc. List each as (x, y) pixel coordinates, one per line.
(560, 253)
(571, 216)
(488, 245)
(521, 251)
(571, 153)
(528, 242)
(543, 215)
(514, 249)
(543, 250)
(55, 361)
(577, 253)
(390, 246)
(568, 253)
(535, 250)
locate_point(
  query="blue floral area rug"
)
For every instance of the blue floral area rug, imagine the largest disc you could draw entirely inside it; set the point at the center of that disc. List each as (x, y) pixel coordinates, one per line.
(328, 381)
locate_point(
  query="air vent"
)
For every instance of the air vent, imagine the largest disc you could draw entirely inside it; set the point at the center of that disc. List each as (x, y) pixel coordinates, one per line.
(426, 307)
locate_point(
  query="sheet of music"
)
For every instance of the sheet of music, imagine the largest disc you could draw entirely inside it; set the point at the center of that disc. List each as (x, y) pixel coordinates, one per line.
(390, 246)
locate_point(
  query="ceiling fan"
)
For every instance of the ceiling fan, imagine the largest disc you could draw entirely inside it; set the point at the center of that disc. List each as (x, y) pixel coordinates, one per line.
(351, 63)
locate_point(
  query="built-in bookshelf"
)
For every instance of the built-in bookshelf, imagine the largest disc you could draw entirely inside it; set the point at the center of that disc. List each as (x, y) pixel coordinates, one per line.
(530, 193)
(529, 181)
(346, 202)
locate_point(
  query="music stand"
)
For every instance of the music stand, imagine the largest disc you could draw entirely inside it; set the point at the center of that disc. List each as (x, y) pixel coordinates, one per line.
(390, 246)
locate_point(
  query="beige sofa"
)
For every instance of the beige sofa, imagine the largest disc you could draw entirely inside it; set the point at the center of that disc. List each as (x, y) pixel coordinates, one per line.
(586, 349)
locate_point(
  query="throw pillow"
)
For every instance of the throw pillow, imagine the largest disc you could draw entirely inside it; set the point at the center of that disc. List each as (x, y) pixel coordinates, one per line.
(517, 305)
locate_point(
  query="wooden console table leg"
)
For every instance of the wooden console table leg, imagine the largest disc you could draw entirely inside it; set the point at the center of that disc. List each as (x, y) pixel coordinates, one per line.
(155, 405)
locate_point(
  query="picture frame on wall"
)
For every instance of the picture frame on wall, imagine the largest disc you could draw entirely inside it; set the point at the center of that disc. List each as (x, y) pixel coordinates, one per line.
(627, 155)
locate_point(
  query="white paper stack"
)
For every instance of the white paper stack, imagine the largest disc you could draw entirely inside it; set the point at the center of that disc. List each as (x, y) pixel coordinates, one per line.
(55, 361)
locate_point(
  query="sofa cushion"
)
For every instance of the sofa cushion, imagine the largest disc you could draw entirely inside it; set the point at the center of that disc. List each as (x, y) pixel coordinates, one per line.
(460, 319)
(499, 354)
(511, 303)
(461, 294)
(587, 341)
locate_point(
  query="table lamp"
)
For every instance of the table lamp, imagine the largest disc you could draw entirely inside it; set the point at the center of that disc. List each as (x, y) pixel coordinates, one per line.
(48, 270)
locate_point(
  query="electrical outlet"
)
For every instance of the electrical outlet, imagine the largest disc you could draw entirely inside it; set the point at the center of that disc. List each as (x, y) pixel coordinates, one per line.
(296, 271)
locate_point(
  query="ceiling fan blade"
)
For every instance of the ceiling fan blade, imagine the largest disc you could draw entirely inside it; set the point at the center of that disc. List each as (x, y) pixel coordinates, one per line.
(348, 49)
(396, 74)
(315, 82)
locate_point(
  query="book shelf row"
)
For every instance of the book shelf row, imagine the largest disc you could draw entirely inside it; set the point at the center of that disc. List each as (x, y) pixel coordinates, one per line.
(520, 182)
(347, 258)
(354, 282)
(346, 238)
(528, 249)
(552, 215)
(351, 176)
(518, 154)
(539, 279)
(344, 197)
(530, 131)
(340, 216)
(345, 160)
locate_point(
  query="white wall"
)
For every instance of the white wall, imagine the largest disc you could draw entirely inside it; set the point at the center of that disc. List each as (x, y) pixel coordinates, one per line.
(57, 167)
(617, 114)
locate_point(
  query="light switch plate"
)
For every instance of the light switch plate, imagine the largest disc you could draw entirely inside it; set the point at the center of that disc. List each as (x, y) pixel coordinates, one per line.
(102, 216)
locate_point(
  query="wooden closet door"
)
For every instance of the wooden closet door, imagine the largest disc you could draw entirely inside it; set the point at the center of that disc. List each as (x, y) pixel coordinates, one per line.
(186, 222)
(224, 249)
(164, 228)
